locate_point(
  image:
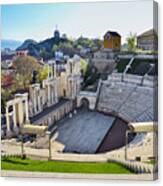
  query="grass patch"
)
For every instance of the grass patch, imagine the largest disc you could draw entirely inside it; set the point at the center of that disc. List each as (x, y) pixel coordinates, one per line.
(15, 163)
(153, 162)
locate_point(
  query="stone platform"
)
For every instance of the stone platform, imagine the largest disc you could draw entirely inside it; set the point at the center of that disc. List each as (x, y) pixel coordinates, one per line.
(84, 132)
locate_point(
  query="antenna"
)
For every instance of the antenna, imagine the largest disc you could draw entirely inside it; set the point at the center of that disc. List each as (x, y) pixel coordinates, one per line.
(56, 26)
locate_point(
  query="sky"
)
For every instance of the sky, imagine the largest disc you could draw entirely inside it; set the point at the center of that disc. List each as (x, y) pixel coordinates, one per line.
(38, 21)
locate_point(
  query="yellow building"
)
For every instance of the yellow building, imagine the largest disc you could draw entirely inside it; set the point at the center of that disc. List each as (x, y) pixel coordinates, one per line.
(112, 41)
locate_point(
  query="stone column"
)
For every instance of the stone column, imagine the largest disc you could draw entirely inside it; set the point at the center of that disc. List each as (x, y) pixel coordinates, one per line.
(48, 71)
(52, 95)
(14, 119)
(48, 86)
(34, 102)
(39, 104)
(26, 110)
(8, 122)
(55, 70)
(43, 99)
(56, 91)
(72, 93)
(20, 113)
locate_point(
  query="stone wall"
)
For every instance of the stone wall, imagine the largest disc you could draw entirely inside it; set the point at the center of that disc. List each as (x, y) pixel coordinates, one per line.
(54, 114)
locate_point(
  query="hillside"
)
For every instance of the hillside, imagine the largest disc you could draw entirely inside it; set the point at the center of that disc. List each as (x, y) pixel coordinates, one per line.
(26, 44)
(46, 49)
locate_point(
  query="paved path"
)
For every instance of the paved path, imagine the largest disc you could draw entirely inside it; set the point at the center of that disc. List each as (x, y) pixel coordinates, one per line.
(44, 154)
(116, 177)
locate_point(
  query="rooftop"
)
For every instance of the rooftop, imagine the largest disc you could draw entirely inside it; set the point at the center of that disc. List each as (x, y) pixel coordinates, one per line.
(112, 33)
(147, 33)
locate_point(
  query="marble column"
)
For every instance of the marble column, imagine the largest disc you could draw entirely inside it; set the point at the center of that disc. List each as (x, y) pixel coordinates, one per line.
(8, 122)
(14, 119)
(48, 71)
(51, 95)
(43, 99)
(48, 86)
(55, 70)
(53, 88)
(26, 110)
(72, 94)
(39, 104)
(34, 102)
(56, 92)
(20, 113)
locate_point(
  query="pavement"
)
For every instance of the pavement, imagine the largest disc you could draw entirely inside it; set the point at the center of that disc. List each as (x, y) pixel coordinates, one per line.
(84, 132)
(11, 149)
(117, 177)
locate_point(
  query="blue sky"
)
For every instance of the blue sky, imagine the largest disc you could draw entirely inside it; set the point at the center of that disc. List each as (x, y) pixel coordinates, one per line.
(38, 21)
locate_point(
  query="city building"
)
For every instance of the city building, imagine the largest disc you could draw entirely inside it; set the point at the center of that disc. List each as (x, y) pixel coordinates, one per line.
(104, 60)
(21, 53)
(148, 40)
(112, 41)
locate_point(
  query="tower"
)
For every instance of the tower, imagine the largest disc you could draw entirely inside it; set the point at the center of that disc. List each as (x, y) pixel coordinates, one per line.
(56, 33)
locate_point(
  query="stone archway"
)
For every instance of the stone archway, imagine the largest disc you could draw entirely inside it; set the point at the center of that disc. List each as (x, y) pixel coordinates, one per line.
(85, 103)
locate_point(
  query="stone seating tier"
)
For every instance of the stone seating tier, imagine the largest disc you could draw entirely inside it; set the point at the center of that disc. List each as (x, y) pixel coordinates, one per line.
(131, 101)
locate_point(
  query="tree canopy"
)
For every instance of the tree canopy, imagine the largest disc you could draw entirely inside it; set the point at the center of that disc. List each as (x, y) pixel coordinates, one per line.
(43, 73)
(25, 66)
(131, 42)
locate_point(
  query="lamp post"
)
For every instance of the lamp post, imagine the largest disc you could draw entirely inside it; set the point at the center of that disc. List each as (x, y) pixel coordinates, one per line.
(49, 142)
(22, 147)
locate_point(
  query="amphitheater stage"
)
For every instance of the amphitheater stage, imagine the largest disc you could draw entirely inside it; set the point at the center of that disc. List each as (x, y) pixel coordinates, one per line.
(84, 132)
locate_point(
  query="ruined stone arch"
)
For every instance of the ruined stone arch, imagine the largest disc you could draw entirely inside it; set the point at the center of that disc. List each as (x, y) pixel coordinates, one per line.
(85, 103)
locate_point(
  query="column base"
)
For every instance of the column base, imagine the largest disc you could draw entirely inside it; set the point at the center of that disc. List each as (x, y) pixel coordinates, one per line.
(16, 130)
(27, 121)
(9, 134)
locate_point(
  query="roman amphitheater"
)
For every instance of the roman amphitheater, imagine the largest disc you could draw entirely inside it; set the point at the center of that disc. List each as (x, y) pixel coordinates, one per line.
(118, 122)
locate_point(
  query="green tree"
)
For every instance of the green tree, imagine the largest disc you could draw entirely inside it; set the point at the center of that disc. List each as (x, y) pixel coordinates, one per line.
(84, 66)
(46, 55)
(79, 47)
(54, 49)
(66, 45)
(43, 74)
(25, 66)
(131, 42)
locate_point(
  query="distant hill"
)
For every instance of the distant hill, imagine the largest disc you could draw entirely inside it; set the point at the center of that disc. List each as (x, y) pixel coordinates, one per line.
(26, 44)
(36, 49)
(46, 49)
(9, 43)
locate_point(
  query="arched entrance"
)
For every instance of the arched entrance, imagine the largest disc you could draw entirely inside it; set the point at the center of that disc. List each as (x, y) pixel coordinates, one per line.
(84, 103)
